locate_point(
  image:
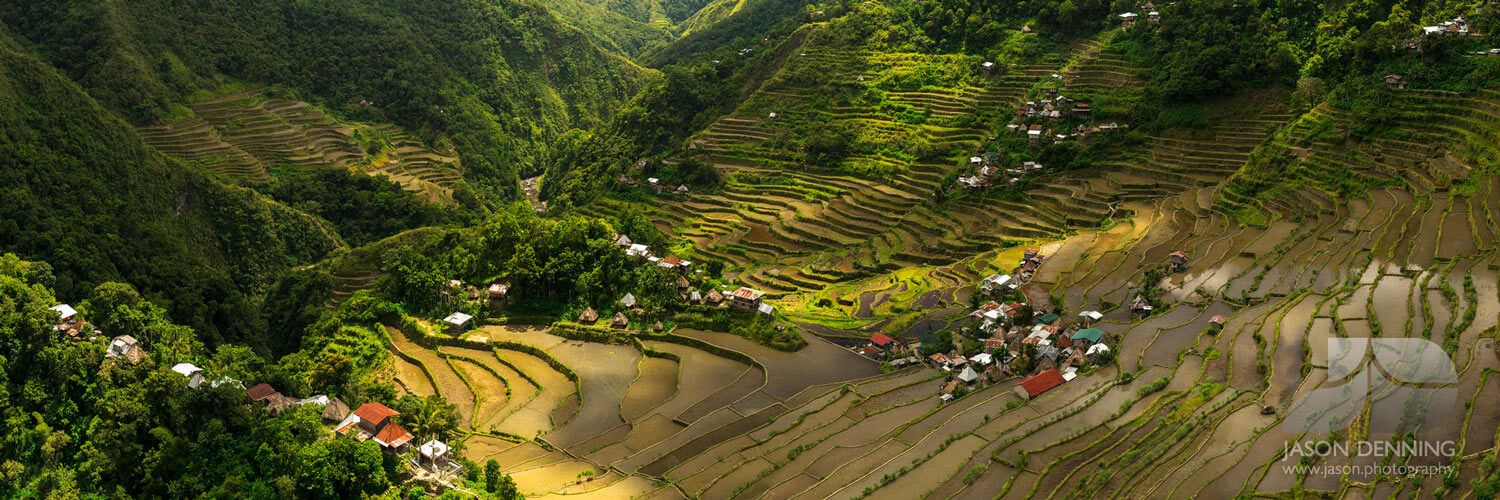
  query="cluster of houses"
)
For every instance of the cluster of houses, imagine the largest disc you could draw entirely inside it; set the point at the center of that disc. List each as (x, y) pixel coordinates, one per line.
(1129, 19)
(495, 296)
(740, 299)
(1001, 285)
(70, 322)
(986, 165)
(371, 421)
(492, 296)
(1054, 347)
(1052, 107)
(654, 183)
(1458, 26)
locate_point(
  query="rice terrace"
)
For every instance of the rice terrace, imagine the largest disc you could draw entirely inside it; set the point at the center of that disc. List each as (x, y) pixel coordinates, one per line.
(750, 249)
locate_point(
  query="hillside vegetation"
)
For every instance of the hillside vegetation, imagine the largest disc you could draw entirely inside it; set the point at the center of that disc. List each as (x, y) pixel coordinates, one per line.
(496, 80)
(81, 190)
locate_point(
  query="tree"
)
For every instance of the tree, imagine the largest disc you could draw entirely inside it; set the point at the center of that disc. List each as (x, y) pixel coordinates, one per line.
(431, 417)
(342, 468)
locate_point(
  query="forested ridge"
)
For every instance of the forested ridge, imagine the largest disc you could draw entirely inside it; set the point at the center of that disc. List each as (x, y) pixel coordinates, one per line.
(499, 80)
(82, 190)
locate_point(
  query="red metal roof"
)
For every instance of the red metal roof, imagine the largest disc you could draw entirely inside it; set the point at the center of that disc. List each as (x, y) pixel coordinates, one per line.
(259, 392)
(1041, 382)
(880, 339)
(393, 435)
(375, 413)
(745, 293)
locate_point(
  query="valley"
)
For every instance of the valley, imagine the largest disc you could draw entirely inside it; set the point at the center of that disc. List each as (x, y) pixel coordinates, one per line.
(750, 249)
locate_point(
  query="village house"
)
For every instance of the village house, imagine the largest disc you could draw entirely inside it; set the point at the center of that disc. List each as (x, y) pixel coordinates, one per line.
(1128, 19)
(1001, 283)
(619, 321)
(638, 250)
(1395, 81)
(1178, 259)
(1153, 16)
(192, 372)
(994, 344)
(279, 403)
(973, 182)
(672, 262)
(628, 300)
(1013, 309)
(948, 390)
(695, 297)
(458, 323)
(1140, 307)
(334, 410)
(982, 359)
(125, 347)
(1086, 337)
(1089, 318)
(1037, 384)
(261, 392)
(434, 455)
(968, 375)
(1082, 109)
(766, 309)
(372, 421)
(882, 342)
(940, 359)
(1034, 133)
(1050, 111)
(623, 241)
(745, 299)
(1217, 322)
(588, 316)
(1096, 350)
(497, 293)
(713, 298)
(69, 321)
(1073, 359)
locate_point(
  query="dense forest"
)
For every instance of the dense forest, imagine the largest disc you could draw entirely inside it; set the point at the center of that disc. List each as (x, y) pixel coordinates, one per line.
(79, 424)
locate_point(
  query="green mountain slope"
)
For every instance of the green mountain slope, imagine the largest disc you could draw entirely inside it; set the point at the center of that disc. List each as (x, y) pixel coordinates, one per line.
(498, 79)
(79, 189)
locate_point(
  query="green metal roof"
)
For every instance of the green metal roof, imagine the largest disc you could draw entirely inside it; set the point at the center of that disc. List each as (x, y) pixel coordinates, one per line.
(1090, 334)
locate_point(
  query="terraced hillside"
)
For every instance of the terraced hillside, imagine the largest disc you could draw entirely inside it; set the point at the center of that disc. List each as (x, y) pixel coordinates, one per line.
(243, 134)
(1355, 235)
